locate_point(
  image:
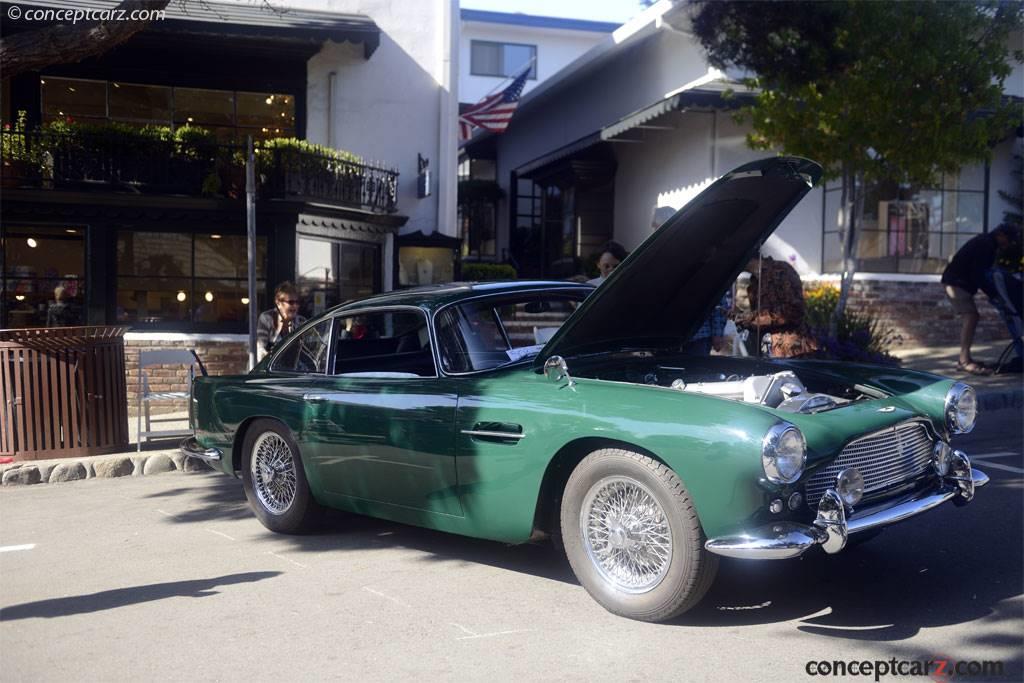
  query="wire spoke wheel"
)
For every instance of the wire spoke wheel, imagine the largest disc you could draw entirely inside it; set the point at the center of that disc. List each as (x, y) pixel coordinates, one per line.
(626, 534)
(272, 467)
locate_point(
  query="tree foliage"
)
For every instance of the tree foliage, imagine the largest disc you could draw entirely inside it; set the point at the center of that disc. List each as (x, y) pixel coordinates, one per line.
(893, 90)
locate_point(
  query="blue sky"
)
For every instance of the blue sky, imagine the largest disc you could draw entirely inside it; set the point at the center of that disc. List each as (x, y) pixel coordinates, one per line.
(617, 11)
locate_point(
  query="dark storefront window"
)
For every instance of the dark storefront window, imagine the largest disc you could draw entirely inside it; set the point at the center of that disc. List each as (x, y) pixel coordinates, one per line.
(177, 280)
(232, 115)
(909, 229)
(478, 208)
(329, 272)
(43, 276)
(527, 242)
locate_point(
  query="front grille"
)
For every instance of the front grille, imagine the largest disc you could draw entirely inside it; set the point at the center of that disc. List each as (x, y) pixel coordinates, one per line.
(884, 458)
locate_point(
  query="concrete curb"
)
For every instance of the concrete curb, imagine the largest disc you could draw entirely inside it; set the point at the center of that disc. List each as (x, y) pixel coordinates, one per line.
(30, 472)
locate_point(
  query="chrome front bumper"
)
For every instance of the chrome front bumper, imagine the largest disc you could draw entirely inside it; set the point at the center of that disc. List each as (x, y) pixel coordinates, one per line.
(192, 448)
(832, 527)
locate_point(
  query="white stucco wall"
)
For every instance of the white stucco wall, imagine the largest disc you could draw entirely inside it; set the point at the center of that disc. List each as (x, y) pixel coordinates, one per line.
(555, 49)
(673, 167)
(400, 102)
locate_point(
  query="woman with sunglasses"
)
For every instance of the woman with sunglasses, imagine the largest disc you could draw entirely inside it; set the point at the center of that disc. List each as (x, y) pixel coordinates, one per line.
(276, 324)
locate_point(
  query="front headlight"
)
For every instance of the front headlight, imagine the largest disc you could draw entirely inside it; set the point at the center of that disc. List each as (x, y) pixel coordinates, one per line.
(783, 453)
(961, 409)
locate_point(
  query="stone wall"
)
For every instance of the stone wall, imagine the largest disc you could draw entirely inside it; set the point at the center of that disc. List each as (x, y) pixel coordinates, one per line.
(221, 354)
(919, 311)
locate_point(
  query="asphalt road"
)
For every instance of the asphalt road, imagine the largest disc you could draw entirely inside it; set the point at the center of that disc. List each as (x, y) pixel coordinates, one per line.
(170, 577)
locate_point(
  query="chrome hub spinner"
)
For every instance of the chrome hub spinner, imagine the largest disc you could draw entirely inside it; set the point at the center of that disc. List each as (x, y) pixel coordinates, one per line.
(626, 534)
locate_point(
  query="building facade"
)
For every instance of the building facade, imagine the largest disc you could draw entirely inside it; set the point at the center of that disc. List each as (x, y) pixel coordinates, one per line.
(636, 127)
(124, 175)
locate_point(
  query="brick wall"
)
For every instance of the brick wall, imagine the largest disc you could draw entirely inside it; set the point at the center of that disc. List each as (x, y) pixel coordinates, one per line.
(221, 355)
(920, 311)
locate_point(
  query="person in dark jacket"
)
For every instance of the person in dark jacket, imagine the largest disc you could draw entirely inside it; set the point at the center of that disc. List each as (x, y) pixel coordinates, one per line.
(963, 277)
(276, 324)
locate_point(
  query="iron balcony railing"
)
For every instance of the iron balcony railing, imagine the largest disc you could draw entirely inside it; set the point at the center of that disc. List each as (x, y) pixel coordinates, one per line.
(112, 161)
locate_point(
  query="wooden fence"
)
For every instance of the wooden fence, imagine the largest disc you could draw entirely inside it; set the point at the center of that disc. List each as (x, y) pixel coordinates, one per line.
(62, 392)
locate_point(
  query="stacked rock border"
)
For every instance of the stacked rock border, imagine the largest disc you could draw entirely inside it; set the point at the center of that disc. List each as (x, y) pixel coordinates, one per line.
(98, 467)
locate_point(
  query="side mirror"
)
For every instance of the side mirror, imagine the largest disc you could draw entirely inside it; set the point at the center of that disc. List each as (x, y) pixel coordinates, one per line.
(555, 369)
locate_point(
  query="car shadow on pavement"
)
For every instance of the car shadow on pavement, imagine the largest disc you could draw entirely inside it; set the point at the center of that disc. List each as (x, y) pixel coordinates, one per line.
(954, 567)
(122, 597)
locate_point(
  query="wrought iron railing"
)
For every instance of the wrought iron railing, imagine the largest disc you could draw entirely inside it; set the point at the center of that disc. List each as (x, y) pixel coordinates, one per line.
(110, 160)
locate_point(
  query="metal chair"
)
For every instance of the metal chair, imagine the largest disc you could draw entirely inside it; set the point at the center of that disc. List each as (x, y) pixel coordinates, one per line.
(145, 396)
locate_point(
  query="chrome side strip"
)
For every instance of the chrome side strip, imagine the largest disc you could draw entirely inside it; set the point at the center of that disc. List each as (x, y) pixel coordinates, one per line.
(496, 435)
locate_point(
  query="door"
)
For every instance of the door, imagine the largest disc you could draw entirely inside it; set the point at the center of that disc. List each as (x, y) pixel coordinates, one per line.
(381, 426)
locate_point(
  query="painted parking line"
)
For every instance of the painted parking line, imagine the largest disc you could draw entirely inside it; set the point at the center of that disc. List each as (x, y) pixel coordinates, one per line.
(998, 466)
(996, 454)
(15, 548)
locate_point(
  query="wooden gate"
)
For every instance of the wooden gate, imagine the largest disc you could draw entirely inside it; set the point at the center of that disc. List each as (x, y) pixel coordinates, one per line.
(63, 392)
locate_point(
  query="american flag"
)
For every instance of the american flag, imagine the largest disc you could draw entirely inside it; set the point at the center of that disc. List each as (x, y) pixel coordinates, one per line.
(494, 111)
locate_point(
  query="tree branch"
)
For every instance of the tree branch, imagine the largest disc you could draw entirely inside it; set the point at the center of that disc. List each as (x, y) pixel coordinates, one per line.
(67, 43)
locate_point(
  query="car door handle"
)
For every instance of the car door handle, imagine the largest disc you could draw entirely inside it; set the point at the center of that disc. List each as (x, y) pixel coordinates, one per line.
(495, 431)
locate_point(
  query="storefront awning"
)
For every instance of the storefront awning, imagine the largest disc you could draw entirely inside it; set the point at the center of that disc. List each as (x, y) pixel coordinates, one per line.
(560, 153)
(705, 98)
(276, 27)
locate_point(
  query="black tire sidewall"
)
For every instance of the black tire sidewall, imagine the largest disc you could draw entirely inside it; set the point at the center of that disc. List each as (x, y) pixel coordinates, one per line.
(687, 546)
(295, 520)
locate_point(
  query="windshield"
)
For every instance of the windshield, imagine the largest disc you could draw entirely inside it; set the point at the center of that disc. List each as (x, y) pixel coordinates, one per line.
(483, 334)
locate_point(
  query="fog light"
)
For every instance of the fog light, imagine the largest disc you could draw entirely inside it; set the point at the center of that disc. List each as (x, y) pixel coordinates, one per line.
(775, 507)
(850, 486)
(795, 500)
(942, 455)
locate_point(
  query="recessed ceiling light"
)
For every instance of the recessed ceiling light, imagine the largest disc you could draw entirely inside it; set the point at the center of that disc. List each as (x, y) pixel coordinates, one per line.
(208, 296)
(32, 242)
(245, 301)
(181, 296)
(214, 237)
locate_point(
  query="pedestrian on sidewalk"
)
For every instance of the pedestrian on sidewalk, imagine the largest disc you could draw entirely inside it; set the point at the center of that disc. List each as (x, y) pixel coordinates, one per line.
(276, 324)
(966, 273)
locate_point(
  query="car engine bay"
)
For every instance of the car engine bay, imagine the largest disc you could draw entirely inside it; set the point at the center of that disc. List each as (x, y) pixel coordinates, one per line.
(747, 381)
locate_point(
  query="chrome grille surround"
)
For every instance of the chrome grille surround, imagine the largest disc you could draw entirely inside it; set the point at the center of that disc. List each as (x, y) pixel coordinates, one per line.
(886, 457)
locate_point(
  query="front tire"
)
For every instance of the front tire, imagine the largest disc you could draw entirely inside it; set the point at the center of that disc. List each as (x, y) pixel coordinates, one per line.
(633, 538)
(274, 481)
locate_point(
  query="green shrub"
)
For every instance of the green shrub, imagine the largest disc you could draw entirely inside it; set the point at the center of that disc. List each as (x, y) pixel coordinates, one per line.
(860, 336)
(484, 272)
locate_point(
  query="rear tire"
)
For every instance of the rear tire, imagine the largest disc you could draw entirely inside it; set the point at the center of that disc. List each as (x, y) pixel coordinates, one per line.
(274, 480)
(633, 538)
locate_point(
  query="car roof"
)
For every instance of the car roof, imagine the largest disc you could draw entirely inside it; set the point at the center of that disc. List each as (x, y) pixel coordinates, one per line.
(435, 296)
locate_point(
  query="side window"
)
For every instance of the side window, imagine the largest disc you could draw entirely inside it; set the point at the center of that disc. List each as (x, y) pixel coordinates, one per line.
(307, 352)
(479, 335)
(385, 344)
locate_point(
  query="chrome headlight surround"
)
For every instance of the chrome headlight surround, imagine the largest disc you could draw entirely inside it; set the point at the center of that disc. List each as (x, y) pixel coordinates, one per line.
(783, 453)
(961, 409)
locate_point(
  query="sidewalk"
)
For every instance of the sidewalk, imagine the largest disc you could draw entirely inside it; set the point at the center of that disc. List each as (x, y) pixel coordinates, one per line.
(995, 392)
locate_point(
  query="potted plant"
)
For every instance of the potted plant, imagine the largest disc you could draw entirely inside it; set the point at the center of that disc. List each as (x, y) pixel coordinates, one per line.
(17, 152)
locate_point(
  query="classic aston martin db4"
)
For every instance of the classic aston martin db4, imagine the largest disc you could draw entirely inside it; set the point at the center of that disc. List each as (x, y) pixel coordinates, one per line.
(515, 411)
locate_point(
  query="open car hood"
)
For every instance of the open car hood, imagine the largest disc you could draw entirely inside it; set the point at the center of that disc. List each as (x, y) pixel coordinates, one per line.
(665, 289)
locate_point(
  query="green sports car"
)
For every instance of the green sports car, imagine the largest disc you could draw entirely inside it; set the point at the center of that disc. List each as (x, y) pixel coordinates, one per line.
(523, 410)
